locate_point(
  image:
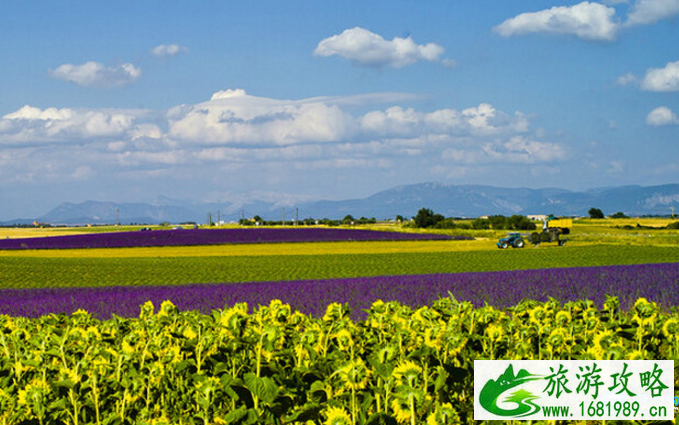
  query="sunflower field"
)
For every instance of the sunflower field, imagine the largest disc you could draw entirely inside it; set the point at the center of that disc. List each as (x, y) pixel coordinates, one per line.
(274, 365)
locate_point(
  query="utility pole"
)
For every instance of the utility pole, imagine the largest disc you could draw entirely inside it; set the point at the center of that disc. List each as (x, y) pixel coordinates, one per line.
(117, 217)
(242, 217)
(296, 217)
(219, 218)
(209, 219)
(283, 216)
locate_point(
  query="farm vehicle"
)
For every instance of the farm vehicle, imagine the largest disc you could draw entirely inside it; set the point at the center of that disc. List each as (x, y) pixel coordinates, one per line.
(552, 229)
(514, 239)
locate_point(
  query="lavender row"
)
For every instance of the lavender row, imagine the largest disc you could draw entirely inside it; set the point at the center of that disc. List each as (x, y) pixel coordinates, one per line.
(180, 237)
(657, 282)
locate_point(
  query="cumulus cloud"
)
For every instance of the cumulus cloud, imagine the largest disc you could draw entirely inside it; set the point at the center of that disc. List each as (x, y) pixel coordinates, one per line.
(234, 117)
(525, 150)
(662, 79)
(363, 47)
(481, 120)
(96, 74)
(165, 50)
(589, 21)
(517, 149)
(31, 124)
(627, 79)
(650, 11)
(234, 130)
(662, 116)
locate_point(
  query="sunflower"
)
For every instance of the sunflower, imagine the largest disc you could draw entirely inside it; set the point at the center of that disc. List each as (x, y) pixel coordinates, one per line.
(538, 315)
(559, 339)
(145, 313)
(405, 403)
(344, 339)
(386, 353)
(354, 375)
(671, 328)
(433, 336)
(407, 372)
(603, 342)
(337, 416)
(6, 322)
(35, 392)
(167, 308)
(278, 311)
(563, 318)
(645, 313)
(335, 312)
(443, 415)
(162, 420)
(233, 321)
(455, 343)
(615, 352)
(127, 348)
(189, 333)
(638, 355)
(495, 332)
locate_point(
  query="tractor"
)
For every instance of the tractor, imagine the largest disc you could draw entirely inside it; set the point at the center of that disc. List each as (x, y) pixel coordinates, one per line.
(515, 240)
(552, 229)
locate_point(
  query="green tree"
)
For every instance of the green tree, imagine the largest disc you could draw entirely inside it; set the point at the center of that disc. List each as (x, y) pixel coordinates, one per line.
(481, 223)
(424, 218)
(520, 222)
(595, 213)
(348, 219)
(498, 222)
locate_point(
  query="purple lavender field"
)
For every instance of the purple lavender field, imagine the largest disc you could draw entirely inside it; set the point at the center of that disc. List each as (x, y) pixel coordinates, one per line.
(182, 237)
(656, 282)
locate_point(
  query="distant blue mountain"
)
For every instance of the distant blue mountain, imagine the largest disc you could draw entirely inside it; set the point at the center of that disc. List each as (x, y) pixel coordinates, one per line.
(474, 201)
(446, 199)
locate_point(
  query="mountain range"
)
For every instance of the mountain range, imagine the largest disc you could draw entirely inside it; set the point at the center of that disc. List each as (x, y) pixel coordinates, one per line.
(446, 199)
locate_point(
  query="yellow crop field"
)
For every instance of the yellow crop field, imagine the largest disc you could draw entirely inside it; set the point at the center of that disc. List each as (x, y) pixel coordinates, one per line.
(253, 250)
(32, 232)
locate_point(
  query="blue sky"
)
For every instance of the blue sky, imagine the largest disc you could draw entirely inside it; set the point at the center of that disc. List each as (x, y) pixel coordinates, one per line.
(298, 100)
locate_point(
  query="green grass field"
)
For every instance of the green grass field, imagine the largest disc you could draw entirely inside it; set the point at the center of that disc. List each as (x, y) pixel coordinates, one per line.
(40, 271)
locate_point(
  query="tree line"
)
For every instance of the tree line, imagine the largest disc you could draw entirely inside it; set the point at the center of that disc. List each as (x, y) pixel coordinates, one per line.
(348, 220)
(426, 218)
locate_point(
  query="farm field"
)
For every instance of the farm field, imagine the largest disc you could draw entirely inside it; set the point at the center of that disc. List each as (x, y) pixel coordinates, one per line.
(356, 319)
(65, 271)
(206, 237)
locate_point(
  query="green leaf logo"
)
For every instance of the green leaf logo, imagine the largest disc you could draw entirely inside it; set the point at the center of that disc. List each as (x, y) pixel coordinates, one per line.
(494, 389)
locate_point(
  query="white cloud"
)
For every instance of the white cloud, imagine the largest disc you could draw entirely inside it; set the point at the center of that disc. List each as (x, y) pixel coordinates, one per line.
(83, 172)
(234, 117)
(366, 48)
(97, 75)
(627, 79)
(482, 120)
(662, 116)
(234, 129)
(662, 79)
(589, 21)
(165, 50)
(31, 124)
(616, 167)
(650, 11)
(516, 149)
